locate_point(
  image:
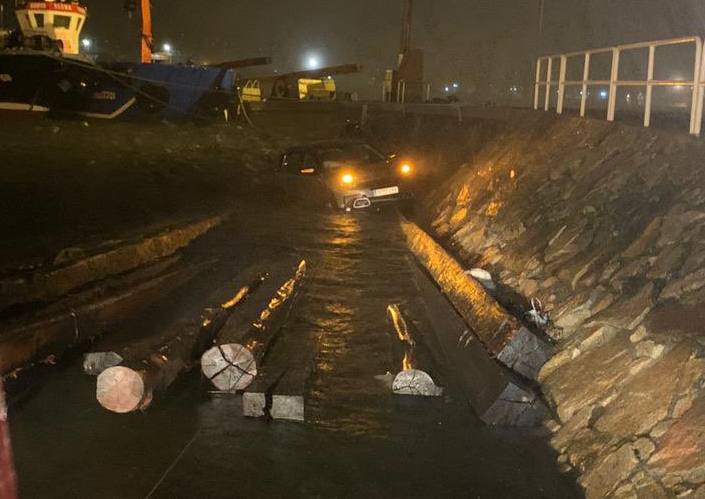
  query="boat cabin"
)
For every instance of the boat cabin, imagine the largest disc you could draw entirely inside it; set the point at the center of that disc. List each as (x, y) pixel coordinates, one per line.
(58, 20)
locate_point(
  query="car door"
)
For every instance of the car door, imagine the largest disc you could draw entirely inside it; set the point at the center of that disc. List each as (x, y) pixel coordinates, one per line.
(312, 185)
(301, 173)
(291, 165)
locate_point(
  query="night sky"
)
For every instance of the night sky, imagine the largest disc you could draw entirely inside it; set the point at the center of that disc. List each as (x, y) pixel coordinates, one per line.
(486, 45)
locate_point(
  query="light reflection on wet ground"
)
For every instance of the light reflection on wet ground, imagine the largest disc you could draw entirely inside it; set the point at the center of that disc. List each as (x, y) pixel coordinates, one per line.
(361, 442)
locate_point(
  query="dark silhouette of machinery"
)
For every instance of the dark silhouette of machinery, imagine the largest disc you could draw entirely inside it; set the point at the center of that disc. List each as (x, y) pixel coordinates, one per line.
(406, 82)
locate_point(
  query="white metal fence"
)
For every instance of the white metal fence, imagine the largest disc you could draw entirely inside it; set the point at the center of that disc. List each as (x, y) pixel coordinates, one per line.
(697, 83)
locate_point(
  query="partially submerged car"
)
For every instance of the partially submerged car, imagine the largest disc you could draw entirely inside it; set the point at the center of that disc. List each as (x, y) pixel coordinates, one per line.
(349, 175)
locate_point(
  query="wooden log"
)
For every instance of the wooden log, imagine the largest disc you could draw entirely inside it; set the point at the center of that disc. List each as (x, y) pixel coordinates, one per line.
(227, 361)
(501, 333)
(498, 396)
(417, 383)
(231, 374)
(289, 394)
(257, 397)
(280, 391)
(114, 351)
(414, 364)
(22, 345)
(154, 366)
(95, 363)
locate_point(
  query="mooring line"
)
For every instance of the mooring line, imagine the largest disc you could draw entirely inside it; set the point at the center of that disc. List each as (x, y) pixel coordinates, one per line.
(173, 464)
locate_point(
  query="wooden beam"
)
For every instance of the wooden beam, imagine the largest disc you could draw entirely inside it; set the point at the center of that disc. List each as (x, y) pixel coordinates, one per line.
(153, 365)
(504, 337)
(231, 374)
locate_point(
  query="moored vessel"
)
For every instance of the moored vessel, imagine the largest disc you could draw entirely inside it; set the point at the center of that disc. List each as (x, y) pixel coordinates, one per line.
(42, 72)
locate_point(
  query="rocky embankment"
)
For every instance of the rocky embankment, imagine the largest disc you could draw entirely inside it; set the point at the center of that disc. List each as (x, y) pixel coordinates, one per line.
(605, 224)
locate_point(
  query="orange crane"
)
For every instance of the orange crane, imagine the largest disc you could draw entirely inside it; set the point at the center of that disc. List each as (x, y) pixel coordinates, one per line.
(147, 40)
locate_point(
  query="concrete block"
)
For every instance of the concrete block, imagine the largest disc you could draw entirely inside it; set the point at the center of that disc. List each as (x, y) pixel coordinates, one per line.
(501, 333)
(497, 396)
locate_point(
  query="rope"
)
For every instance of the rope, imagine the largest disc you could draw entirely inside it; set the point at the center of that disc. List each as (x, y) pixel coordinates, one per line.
(173, 464)
(116, 75)
(230, 364)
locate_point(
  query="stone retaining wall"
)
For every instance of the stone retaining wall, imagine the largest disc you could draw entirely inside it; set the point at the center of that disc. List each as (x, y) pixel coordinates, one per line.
(605, 224)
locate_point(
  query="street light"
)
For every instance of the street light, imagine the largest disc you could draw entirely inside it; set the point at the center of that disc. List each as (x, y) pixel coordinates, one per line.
(313, 62)
(86, 43)
(169, 50)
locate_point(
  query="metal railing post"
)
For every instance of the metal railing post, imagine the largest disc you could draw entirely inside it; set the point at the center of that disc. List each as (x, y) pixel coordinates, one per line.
(547, 103)
(649, 86)
(696, 85)
(537, 85)
(701, 98)
(586, 78)
(614, 78)
(561, 84)
(697, 106)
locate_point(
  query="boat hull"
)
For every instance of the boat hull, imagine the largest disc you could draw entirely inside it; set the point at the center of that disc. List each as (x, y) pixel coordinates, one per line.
(41, 83)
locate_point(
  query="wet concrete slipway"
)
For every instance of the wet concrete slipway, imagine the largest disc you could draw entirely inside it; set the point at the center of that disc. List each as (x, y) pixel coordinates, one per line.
(360, 441)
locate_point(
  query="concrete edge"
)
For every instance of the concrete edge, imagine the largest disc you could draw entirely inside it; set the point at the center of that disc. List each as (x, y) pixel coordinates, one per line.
(45, 285)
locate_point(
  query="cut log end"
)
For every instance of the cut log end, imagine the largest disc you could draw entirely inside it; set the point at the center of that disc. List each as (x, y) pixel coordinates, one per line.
(95, 363)
(229, 367)
(122, 390)
(415, 383)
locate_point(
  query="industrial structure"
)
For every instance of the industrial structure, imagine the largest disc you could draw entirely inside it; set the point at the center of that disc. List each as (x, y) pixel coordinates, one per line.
(406, 83)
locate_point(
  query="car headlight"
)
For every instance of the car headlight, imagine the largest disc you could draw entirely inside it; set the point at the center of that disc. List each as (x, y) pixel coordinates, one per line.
(347, 178)
(406, 169)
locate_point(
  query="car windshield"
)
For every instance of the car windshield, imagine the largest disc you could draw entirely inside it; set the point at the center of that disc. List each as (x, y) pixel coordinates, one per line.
(360, 154)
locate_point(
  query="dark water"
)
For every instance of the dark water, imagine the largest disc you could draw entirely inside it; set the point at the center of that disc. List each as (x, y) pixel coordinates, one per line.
(360, 441)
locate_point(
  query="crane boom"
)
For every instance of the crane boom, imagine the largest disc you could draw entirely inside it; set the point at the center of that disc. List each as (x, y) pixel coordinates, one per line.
(406, 28)
(147, 40)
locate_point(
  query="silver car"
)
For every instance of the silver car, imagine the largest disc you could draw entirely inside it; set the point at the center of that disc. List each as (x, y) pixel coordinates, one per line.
(349, 175)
